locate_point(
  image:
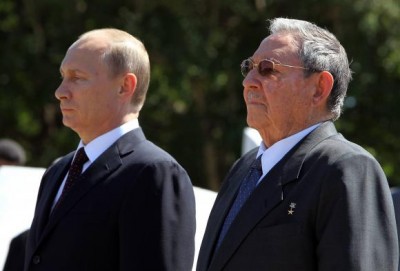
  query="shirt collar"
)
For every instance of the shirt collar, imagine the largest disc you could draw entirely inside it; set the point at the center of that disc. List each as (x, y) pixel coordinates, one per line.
(100, 144)
(273, 154)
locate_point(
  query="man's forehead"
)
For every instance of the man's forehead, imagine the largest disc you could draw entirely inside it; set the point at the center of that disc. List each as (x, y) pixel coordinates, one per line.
(81, 59)
(275, 46)
(93, 43)
(278, 42)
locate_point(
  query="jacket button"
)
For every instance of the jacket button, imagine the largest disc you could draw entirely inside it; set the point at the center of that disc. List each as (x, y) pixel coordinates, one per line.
(36, 259)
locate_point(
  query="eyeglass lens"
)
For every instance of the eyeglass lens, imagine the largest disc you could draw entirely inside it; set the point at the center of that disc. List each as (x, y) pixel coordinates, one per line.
(264, 68)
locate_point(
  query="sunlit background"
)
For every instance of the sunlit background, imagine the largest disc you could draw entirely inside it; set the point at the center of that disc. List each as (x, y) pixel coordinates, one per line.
(195, 108)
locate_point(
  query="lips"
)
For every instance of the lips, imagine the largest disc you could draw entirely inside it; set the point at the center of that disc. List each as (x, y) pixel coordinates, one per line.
(65, 109)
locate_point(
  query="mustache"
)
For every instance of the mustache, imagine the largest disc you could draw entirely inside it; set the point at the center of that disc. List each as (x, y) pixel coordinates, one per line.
(253, 95)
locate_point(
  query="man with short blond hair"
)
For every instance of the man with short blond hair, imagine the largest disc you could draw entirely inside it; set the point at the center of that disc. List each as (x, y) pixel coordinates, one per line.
(119, 202)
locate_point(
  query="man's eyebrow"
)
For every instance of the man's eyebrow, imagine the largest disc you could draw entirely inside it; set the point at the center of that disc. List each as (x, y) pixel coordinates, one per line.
(78, 71)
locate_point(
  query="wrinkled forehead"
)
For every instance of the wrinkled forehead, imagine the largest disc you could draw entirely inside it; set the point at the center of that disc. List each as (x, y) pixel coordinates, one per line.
(277, 46)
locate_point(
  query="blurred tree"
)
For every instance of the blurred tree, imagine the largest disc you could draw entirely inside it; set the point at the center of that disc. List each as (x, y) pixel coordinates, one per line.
(194, 107)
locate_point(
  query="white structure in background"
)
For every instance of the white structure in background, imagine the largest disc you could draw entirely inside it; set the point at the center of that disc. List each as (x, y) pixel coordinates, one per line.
(251, 139)
(18, 191)
(19, 187)
(204, 202)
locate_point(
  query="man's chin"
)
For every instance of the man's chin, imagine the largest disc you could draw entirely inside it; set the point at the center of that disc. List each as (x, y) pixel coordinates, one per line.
(68, 123)
(251, 122)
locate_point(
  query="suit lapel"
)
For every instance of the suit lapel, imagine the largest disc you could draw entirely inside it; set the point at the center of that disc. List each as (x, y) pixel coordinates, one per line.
(88, 180)
(264, 198)
(97, 172)
(54, 180)
(220, 211)
(267, 195)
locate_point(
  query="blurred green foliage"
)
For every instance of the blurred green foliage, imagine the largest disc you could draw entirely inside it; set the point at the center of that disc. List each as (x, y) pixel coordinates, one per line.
(194, 107)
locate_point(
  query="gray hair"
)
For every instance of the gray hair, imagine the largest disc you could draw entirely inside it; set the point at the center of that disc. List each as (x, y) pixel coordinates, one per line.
(126, 54)
(319, 50)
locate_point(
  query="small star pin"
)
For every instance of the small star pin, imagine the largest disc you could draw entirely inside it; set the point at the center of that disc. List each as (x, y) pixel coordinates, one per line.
(292, 207)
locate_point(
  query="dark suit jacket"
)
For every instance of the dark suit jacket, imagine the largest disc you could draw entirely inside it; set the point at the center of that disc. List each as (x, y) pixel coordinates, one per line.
(16, 253)
(132, 209)
(396, 202)
(343, 217)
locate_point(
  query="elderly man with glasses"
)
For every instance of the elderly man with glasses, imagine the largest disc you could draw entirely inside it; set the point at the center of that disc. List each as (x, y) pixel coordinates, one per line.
(306, 198)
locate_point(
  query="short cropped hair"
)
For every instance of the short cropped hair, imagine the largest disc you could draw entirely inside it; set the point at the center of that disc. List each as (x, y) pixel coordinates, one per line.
(319, 50)
(126, 54)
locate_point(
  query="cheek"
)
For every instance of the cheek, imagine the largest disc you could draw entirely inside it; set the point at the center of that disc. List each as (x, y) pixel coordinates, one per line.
(105, 94)
(280, 100)
(301, 93)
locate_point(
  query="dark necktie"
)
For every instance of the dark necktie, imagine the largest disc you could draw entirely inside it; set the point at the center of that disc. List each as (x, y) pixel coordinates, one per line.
(74, 173)
(246, 188)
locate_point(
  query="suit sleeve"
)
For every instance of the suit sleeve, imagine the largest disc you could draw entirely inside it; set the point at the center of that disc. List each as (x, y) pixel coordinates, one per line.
(157, 221)
(16, 253)
(355, 226)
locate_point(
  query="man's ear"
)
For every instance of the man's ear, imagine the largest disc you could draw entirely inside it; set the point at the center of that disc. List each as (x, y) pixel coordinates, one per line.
(128, 86)
(324, 85)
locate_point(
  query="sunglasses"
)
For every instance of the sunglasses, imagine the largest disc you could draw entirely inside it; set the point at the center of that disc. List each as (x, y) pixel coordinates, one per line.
(264, 67)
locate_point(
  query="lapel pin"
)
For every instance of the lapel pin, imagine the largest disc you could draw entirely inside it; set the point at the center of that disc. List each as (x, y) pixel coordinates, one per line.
(292, 207)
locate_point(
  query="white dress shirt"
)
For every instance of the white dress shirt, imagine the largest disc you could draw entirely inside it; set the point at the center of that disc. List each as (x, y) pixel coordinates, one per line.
(272, 155)
(99, 145)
